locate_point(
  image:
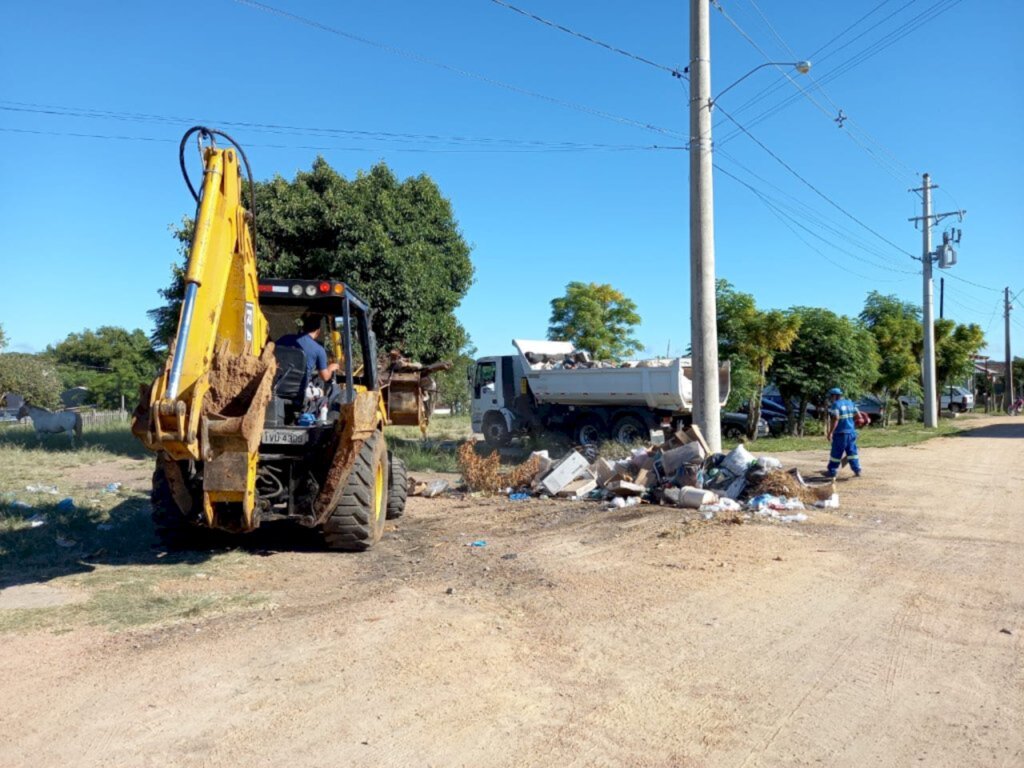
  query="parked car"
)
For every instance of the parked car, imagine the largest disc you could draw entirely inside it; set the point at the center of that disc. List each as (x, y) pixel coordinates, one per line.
(772, 413)
(956, 399)
(734, 425)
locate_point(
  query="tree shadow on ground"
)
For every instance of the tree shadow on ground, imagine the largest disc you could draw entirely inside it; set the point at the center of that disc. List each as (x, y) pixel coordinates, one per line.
(48, 541)
(1015, 430)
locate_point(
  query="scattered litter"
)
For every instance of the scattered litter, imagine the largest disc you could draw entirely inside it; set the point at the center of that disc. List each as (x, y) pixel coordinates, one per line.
(63, 541)
(37, 520)
(477, 543)
(768, 502)
(50, 489)
(1005, 631)
(832, 502)
(569, 468)
(66, 505)
(618, 502)
(435, 488)
(799, 517)
(518, 496)
(21, 505)
(112, 488)
(722, 505)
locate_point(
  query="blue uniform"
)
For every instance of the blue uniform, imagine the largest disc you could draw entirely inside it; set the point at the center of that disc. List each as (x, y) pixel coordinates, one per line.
(844, 436)
(316, 357)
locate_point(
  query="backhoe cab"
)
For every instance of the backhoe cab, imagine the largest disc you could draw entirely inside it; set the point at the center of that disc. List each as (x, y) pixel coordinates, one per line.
(224, 416)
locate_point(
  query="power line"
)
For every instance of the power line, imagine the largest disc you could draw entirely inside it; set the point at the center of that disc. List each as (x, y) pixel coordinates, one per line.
(813, 188)
(786, 219)
(818, 219)
(419, 58)
(318, 131)
(830, 115)
(871, 50)
(675, 72)
(335, 148)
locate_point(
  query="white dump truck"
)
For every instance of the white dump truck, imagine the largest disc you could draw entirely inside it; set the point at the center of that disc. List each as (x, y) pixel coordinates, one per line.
(549, 386)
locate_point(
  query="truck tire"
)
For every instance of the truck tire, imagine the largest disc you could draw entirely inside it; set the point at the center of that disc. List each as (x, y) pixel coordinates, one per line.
(589, 431)
(629, 429)
(398, 487)
(357, 523)
(495, 430)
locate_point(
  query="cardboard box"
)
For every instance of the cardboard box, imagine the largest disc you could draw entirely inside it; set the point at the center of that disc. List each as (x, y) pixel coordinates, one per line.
(564, 472)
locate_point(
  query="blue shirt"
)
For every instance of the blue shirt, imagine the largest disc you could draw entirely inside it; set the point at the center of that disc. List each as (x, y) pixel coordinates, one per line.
(316, 356)
(843, 411)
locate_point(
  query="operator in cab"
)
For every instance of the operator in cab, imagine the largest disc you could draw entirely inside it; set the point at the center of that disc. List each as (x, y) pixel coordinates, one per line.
(318, 371)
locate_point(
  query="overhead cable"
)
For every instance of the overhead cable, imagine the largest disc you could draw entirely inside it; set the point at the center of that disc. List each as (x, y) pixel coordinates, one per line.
(674, 71)
(421, 59)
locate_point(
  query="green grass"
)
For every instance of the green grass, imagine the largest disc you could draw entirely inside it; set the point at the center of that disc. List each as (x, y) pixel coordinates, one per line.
(99, 443)
(872, 437)
(436, 451)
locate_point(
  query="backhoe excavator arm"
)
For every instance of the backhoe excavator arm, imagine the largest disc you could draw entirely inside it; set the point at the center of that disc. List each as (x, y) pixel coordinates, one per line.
(208, 404)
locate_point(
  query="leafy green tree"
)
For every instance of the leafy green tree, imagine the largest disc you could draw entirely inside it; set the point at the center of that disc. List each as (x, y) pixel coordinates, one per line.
(735, 311)
(896, 326)
(750, 338)
(597, 319)
(3, 339)
(766, 335)
(829, 351)
(110, 362)
(34, 377)
(397, 243)
(955, 348)
(453, 385)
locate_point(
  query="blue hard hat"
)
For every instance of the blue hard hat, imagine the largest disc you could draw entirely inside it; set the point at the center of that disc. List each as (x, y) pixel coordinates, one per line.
(835, 391)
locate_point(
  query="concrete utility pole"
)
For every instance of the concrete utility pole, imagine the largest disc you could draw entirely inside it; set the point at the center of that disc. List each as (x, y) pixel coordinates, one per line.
(703, 309)
(931, 414)
(1009, 358)
(946, 256)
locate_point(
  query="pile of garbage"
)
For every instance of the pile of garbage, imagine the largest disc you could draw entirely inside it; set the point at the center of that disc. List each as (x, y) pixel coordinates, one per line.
(681, 471)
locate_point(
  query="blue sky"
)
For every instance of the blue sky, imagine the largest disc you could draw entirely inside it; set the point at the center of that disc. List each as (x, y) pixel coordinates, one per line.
(561, 180)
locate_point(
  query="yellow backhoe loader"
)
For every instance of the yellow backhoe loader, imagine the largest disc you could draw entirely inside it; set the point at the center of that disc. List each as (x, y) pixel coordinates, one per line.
(235, 444)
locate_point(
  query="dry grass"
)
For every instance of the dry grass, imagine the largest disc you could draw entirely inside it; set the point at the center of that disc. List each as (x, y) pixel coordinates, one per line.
(484, 473)
(779, 483)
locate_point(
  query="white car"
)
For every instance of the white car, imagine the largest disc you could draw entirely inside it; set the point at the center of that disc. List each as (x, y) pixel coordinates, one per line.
(956, 399)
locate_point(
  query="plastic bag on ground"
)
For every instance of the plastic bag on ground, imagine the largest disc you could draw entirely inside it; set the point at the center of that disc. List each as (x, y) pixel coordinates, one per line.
(738, 460)
(722, 505)
(832, 502)
(768, 462)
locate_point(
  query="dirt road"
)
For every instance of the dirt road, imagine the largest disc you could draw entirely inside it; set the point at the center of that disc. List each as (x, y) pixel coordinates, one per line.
(885, 633)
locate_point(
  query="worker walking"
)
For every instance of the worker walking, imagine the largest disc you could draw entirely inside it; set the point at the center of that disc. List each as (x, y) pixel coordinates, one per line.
(842, 432)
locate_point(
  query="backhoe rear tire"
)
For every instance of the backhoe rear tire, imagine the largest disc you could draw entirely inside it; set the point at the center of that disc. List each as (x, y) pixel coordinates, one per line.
(357, 523)
(398, 487)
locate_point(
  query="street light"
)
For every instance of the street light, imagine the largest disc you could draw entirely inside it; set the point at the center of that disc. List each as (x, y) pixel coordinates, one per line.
(703, 310)
(803, 67)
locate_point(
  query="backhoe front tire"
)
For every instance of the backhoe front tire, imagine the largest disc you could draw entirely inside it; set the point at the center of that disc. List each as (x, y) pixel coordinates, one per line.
(357, 523)
(173, 527)
(398, 487)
